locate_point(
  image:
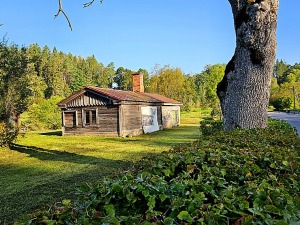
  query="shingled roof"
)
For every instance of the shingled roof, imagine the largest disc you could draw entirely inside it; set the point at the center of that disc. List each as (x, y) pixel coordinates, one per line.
(118, 96)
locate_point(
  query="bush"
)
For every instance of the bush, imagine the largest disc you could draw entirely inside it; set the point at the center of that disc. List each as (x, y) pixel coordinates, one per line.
(44, 115)
(210, 126)
(281, 103)
(216, 112)
(236, 177)
(8, 134)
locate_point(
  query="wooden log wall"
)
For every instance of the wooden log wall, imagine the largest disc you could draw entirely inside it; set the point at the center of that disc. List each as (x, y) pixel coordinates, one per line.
(108, 119)
(131, 118)
(107, 122)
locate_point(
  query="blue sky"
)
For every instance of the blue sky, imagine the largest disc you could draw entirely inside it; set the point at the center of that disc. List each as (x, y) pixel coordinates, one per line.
(139, 34)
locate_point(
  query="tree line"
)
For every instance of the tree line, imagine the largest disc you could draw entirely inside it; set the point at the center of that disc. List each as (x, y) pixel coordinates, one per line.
(33, 79)
(285, 86)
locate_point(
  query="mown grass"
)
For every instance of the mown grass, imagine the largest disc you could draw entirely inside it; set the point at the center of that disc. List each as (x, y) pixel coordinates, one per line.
(45, 167)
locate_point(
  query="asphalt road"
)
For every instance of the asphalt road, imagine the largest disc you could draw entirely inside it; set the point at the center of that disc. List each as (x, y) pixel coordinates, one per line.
(291, 118)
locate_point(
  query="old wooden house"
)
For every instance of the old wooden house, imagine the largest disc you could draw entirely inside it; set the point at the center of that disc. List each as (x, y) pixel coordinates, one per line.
(103, 111)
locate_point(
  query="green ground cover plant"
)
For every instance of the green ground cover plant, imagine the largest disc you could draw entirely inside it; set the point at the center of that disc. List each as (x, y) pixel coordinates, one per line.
(236, 177)
(44, 167)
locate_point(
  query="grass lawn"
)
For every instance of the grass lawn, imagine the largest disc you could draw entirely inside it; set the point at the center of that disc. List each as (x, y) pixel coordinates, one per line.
(44, 167)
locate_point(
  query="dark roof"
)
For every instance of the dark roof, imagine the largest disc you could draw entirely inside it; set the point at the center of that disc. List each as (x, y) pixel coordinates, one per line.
(161, 98)
(119, 96)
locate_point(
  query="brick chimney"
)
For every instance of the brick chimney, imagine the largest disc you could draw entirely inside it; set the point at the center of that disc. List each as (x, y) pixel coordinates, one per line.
(137, 82)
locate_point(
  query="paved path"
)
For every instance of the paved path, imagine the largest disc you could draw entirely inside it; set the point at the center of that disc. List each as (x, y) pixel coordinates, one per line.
(291, 118)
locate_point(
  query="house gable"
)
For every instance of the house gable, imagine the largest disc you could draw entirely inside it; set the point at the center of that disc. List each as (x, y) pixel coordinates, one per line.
(85, 98)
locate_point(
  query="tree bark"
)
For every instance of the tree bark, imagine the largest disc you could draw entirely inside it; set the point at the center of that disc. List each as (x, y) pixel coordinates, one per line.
(245, 89)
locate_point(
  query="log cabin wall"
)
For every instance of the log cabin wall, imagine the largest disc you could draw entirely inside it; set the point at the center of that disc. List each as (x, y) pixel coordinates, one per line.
(131, 120)
(119, 120)
(101, 120)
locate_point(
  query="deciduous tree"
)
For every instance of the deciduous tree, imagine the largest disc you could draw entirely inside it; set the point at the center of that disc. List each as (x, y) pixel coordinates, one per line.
(163, 83)
(245, 89)
(206, 83)
(17, 77)
(106, 78)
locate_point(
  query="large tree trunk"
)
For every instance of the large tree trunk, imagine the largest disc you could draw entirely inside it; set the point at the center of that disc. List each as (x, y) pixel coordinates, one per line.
(245, 89)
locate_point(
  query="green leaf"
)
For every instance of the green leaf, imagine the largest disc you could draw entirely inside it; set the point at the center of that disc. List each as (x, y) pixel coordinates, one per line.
(190, 168)
(272, 209)
(286, 163)
(114, 221)
(167, 172)
(66, 202)
(248, 220)
(145, 193)
(244, 205)
(151, 202)
(168, 221)
(272, 165)
(110, 210)
(184, 215)
(130, 197)
(116, 187)
(223, 172)
(163, 197)
(257, 211)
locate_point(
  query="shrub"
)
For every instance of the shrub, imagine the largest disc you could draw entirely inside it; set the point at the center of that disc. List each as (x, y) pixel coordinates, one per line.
(236, 177)
(44, 115)
(216, 112)
(210, 126)
(281, 103)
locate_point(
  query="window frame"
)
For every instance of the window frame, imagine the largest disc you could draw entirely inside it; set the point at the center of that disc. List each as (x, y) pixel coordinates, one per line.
(90, 117)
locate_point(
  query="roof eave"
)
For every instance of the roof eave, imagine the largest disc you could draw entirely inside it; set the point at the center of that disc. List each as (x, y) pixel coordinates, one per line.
(172, 104)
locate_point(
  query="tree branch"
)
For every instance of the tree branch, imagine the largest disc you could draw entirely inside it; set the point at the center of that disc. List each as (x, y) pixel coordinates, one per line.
(61, 10)
(90, 3)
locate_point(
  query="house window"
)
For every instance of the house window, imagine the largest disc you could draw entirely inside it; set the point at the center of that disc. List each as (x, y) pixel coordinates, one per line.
(90, 117)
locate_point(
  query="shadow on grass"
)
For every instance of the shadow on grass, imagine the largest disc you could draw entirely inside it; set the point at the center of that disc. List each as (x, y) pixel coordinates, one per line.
(55, 155)
(52, 133)
(53, 187)
(25, 201)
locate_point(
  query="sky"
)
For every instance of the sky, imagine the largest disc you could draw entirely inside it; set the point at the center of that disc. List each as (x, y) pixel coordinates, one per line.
(142, 33)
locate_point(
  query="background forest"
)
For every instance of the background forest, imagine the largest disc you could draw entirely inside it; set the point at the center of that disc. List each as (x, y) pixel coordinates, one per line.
(33, 79)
